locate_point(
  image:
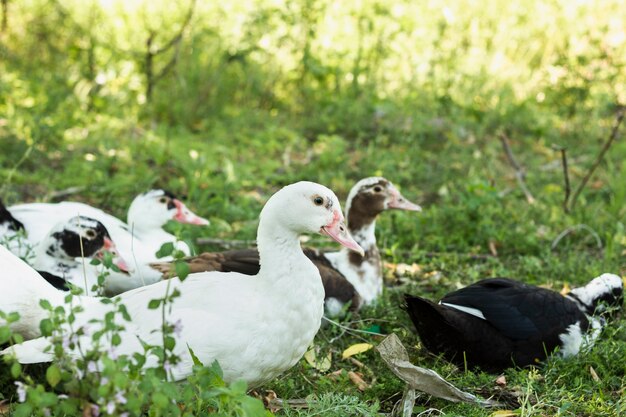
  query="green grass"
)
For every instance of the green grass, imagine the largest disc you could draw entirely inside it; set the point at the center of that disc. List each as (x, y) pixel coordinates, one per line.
(247, 111)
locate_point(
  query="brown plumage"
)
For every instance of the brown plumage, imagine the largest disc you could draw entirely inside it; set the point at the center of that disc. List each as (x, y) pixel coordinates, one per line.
(246, 261)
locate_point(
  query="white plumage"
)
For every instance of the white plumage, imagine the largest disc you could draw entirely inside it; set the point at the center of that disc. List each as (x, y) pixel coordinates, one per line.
(137, 241)
(255, 326)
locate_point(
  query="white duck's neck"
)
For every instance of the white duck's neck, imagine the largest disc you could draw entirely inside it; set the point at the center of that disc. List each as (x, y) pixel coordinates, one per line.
(363, 272)
(281, 257)
(144, 226)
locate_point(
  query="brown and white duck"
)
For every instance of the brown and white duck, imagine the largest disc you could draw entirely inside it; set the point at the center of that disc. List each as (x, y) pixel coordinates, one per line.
(347, 276)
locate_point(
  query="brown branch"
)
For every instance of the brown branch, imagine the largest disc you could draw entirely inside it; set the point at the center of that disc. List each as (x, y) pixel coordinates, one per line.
(564, 165)
(175, 41)
(603, 151)
(148, 66)
(5, 16)
(568, 188)
(225, 243)
(519, 172)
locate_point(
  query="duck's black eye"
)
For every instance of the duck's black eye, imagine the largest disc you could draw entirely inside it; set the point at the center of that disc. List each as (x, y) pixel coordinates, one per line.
(163, 200)
(90, 234)
(318, 201)
(378, 189)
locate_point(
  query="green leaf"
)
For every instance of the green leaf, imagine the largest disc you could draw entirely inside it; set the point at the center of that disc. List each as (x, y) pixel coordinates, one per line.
(116, 339)
(154, 304)
(23, 410)
(194, 358)
(252, 406)
(16, 370)
(169, 343)
(53, 375)
(160, 400)
(165, 250)
(5, 334)
(182, 269)
(46, 327)
(45, 304)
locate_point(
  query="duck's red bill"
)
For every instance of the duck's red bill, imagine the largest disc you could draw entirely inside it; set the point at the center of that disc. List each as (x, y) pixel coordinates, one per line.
(338, 231)
(184, 215)
(399, 202)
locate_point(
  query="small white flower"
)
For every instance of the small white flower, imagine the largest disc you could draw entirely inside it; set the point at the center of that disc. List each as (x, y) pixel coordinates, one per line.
(86, 330)
(92, 367)
(112, 352)
(21, 391)
(178, 327)
(120, 398)
(110, 407)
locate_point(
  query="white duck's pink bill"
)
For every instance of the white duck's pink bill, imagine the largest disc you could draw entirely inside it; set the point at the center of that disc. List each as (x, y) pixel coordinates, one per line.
(338, 231)
(399, 202)
(184, 215)
(109, 247)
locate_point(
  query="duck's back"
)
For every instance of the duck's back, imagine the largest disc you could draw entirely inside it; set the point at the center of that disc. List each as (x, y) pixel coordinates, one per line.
(496, 323)
(39, 218)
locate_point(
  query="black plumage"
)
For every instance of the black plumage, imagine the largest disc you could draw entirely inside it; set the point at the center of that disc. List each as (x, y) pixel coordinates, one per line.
(57, 282)
(7, 219)
(520, 323)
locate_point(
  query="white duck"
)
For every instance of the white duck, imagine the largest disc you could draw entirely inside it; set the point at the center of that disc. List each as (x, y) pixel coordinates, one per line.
(137, 241)
(67, 250)
(62, 257)
(272, 317)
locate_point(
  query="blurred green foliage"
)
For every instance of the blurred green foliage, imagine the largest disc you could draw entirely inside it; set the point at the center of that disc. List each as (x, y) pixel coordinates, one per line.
(246, 96)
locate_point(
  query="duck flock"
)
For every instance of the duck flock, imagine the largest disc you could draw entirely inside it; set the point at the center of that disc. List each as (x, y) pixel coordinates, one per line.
(257, 310)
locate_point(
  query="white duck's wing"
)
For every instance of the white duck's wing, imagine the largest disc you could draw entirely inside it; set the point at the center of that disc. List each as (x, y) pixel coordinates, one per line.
(21, 289)
(39, 218)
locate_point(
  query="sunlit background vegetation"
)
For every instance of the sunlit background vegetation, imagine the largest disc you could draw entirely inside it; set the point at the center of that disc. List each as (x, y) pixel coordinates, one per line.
(226, 101)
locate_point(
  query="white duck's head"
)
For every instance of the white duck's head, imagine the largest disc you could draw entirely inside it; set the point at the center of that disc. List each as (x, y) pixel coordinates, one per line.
(81, 237)
(152, 209)
(307, 207)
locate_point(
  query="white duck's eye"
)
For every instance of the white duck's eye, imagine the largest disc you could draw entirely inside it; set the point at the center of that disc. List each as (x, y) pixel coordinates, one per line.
(378, 189)
(90, 234)
(163, 200)
(318, 201)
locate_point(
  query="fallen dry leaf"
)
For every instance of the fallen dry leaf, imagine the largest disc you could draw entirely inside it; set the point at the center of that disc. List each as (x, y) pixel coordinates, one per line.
(501, 381)
(566, 289)
(356, 349)
(492, 248)
(406, 404)
(426, 380)
(5, 408)
(504, 413)
(312, 357)
(335, 374)
(593, 373)
(357, 379)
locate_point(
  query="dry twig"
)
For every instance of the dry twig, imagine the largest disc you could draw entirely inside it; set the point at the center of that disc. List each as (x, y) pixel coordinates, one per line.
(575, 228)
(605, 148)
(519, 172)
(227, 244)
(568, 189)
